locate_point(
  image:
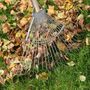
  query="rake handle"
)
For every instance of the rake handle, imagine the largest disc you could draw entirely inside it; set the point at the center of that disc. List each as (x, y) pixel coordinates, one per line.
(36, 5)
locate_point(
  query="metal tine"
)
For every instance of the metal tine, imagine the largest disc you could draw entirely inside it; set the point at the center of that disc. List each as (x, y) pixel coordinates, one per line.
(33, 65)
(46, 66)
(60, 58)
(54, 48)
(52, 56)
(61, 38)
(74, 38)
(47, 58)
(55, 59)
(37, 53)
(58, 52)
(65, 42)
(72, 45)
(46, 54)
(53, 53)
(42, 62)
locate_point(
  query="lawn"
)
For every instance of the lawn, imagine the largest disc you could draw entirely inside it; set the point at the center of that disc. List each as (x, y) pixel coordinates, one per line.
(72, 75)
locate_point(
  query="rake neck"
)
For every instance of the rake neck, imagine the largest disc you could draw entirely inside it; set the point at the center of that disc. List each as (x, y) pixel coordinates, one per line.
(36, 5)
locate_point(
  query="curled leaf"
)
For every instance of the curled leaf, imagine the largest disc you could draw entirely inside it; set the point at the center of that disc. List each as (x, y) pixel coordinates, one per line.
(82, 78)
(71, 63)
(87, 41)
(42, 76)
(1, 72)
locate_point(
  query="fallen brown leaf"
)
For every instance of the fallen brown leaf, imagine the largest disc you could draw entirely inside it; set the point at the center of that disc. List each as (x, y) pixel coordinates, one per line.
(6, 27)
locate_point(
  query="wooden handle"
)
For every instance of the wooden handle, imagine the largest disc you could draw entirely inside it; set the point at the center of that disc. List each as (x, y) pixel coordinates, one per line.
(36, 5)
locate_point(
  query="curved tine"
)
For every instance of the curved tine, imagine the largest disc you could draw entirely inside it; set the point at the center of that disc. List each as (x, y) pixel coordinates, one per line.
(61, 38)
(47, 55)
(54, 59)
(46, 65)
(38, 57)
(72, 41)
(48, 60)
(42, 58)
(60, 54)
(54, 52)
(52, 56)
(72, 46)
(74, 38)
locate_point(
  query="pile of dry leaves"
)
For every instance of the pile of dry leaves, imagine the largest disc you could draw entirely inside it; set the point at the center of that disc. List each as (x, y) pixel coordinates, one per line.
(21, 14)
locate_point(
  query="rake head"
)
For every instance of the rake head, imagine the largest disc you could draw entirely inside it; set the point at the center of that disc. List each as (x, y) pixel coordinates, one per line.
(41, 45)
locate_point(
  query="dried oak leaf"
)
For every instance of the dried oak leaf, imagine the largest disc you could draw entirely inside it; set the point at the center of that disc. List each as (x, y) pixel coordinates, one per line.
(87, 41)
(87, 27)
(1, 54)
(12, 12)
(23, 21)
(23, 5)
(61, 46)
(1, 72)
(69, 36)
(5, 27)
(42, 76)
(3, 18)
(5, 43)
(2, 6)
(8, 1)
(17, 69)
(1, 42)
(87, 7)
(68, 4)
(61, 15)
(9, 76)
(80, 19)
(20, 34)
(2, 80)
(59, 2)
(51, 10)
(11, 45)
